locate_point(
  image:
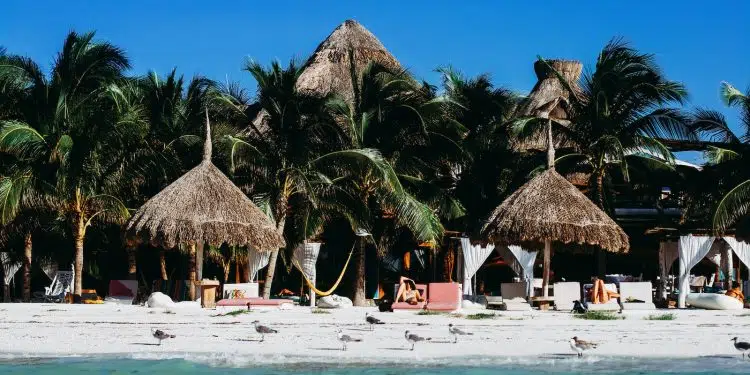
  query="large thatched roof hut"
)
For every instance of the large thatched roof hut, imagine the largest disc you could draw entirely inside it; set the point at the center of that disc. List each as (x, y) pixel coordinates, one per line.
(550, 98)
(328, 69)
(548, 207)
(203, 206)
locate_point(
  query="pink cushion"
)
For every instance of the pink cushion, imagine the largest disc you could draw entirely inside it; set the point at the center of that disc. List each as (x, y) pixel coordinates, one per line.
(407, 306)
(123, 288)
(252, 302)
(444, 296)
(442, 306)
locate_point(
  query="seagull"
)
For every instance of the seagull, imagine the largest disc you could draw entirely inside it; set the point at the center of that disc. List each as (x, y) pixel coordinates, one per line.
(580, 346)
(455, 331)
(371, 320)
(263, 330)
(346, 338)
(413, 338)
(161, 335)
(741, 346)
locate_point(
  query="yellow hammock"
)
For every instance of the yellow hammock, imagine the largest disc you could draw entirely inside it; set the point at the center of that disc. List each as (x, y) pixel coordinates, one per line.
(335, 285)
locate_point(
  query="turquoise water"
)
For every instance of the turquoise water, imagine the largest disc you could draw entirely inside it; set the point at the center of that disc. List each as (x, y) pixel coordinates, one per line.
(612, 366)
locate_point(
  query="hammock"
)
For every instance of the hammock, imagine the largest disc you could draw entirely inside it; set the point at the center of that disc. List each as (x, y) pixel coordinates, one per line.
(335, 285)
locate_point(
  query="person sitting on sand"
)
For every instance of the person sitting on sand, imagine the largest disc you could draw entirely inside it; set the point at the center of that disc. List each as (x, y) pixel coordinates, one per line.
(407, 292)
(736, 292)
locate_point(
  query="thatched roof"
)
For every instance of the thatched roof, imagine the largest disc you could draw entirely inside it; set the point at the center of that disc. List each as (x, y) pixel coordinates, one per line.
(328, 69)
(550, 208)
(203, 206)
(549, 98)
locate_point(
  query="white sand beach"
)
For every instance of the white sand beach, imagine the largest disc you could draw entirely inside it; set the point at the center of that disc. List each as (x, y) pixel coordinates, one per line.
(49, 330)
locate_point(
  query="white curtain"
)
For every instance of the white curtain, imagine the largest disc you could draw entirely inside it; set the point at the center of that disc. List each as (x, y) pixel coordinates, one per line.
(692, 249)
(742, 249)
(256, 261)
(9, 267)
(474, 257)
(714, 254)
(306, 256)
(667, 255)
(522, 263)
(49, 267)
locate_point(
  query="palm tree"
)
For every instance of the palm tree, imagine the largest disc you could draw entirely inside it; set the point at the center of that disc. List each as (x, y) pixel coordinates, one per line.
(619, 115)
(728, 163)
(69, 127)
(387, 114)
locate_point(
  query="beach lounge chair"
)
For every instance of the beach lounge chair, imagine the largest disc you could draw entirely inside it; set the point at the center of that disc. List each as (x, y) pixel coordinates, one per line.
(61, 284)
(697, 284)
(444, 296)
(565, 294)
(122, 292)
(611, 305)
(423, 291)
(514, 297)
(641, 291)
(244, 290)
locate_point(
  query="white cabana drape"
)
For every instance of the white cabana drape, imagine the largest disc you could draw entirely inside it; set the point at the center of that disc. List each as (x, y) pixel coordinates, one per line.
(256, 261)
(49, 267)
(668, 253)
(474, 257)
(692, 249)
(522, 263)
(9, 267)
(742, 249)
(305, 257)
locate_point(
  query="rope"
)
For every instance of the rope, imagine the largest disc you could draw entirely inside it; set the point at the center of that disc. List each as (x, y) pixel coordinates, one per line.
(335, 285)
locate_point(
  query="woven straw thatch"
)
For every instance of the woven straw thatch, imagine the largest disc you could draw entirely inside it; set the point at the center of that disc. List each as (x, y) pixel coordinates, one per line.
(550, 99)
(203, 206)
(328, 69)
(550, 208)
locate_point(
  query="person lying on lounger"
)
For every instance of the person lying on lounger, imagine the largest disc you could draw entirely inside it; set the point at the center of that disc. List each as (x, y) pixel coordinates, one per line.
(600, 294)
(407, 292)
(736, 292)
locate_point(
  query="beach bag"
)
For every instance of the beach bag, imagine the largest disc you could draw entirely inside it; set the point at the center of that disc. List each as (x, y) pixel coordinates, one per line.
(579, 308)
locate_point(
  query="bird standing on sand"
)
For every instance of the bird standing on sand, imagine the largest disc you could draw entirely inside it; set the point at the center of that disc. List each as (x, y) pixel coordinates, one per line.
(741, 346)
(580, 346)
(455, 331)
(371, 320)
(161, 335)
(346, 338)
(263, 330)
(413, 338)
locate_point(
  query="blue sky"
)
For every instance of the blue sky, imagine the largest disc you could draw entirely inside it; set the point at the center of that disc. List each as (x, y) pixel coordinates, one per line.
(697, 42)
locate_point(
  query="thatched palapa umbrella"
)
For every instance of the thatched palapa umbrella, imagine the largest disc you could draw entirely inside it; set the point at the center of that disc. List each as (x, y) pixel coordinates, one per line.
(203, 206)
(550, 209)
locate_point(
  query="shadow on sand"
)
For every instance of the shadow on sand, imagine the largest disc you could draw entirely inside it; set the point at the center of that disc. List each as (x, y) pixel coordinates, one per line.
(144, 343)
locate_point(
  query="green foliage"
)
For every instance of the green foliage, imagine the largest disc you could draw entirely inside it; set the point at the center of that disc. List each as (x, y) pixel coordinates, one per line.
(661, 317)
(598, 315)
(429, 312)
(480, 316)
(319, 311)
(233, 313)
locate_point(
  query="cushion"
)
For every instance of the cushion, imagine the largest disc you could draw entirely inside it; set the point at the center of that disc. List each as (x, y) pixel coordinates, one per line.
(123, 288)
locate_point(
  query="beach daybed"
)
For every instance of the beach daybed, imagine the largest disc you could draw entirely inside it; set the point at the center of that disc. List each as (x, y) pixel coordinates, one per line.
(514, 297)
(713, 301)
(641, 291)
(611, 305)
(565, 294)
(443, 297)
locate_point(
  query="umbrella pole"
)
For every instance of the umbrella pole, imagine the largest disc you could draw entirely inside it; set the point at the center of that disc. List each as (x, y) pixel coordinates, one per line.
(545, 277)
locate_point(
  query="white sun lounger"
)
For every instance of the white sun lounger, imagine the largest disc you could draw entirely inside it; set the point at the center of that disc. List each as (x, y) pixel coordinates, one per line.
(641, 291)
(565, 294)
(514, 296)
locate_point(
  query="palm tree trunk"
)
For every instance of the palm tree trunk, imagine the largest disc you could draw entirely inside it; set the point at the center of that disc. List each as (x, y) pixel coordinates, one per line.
(600, 190)
(546, 266)
(131, 249)
(281, 217)
(27, 245)
(80, 233)
(163, 263)
(192, 271)
(359, 284)
(226, 272)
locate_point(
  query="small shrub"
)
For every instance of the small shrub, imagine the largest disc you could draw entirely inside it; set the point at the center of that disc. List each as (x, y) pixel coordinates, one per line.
(668, 316)
(428, 312)
(598, 315)
(234, 313)
(320, 311)
(480, 316)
